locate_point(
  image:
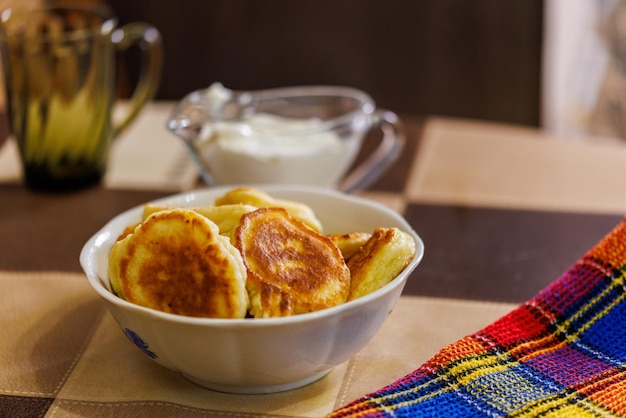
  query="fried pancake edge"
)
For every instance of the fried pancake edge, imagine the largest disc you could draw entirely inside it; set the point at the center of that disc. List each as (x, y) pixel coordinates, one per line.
(226, 217)
(349, 243)
(261, 199)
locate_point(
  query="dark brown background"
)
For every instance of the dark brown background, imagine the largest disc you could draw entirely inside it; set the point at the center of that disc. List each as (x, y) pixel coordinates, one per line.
(478, 59)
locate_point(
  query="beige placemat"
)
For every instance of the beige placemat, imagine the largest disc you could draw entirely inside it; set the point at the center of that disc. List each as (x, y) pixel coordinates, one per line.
(144, 157)
(496, 165)
(58, 341)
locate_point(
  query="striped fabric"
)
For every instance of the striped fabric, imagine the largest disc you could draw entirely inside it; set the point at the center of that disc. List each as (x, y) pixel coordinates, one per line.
(562, 353)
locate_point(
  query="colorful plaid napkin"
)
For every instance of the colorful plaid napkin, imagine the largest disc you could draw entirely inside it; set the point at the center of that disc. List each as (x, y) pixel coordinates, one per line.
(562, 353)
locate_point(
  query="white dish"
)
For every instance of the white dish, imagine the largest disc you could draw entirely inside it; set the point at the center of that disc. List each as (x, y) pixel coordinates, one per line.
(256, 355)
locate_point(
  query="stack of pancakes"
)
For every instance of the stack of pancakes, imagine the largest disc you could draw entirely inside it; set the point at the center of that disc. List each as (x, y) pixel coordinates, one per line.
(249, 255)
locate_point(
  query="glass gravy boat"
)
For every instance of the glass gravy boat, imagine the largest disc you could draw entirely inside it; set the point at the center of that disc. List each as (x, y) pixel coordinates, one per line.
(297, 135)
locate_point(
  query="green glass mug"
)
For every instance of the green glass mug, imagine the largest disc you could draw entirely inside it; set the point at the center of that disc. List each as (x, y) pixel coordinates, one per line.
(59, 61)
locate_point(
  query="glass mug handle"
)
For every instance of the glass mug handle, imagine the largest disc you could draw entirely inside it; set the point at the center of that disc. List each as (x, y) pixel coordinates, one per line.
(381, 158)
(149, 41)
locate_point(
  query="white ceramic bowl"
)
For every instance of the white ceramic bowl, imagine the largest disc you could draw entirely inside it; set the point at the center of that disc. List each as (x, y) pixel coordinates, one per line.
(256, 355)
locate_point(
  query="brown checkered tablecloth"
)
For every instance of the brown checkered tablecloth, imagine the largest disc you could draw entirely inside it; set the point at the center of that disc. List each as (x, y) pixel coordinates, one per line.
(496, 207)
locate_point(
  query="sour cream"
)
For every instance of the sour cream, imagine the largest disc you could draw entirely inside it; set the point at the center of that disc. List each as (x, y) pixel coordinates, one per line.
(269, 149)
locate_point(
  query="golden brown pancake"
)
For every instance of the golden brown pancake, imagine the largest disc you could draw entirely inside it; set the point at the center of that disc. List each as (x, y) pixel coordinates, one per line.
(292, 269)
(379, 261)
(127, 231)
(349, 243)
(150, 208)
(260, 199)
(176, 262)
(226, 216)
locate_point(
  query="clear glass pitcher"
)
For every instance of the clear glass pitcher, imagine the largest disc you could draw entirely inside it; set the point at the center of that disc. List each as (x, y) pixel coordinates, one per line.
(298, 135)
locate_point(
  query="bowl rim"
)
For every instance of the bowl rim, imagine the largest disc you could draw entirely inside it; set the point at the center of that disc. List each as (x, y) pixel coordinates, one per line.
(89, 251)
